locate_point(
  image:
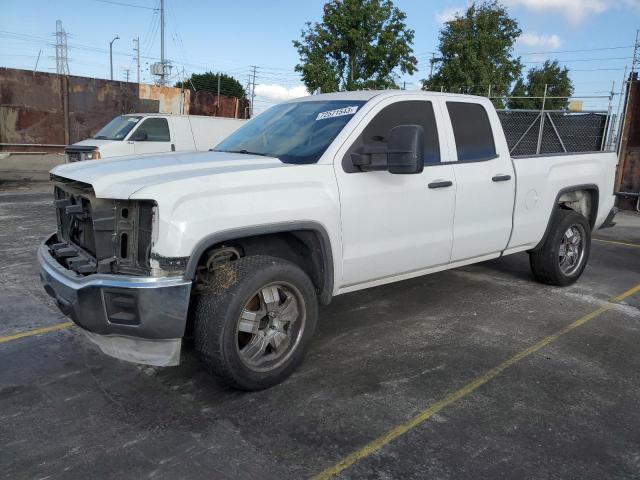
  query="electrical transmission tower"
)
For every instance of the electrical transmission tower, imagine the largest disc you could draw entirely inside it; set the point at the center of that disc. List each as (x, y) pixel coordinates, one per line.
(62, 62)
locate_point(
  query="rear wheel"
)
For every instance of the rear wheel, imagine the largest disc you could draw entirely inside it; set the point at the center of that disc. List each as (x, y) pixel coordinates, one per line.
(254, 319)
(563, 256)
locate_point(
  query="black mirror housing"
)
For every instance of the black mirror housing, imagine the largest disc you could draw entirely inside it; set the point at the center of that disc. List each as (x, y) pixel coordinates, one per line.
(402, 154)
(406, 149)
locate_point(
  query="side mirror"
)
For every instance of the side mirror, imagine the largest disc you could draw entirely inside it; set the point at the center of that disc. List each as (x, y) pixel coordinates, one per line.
(406, 149)
(402, 154)
(140, 136)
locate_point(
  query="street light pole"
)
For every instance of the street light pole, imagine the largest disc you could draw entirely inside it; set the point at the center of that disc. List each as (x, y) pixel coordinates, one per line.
(111, 54)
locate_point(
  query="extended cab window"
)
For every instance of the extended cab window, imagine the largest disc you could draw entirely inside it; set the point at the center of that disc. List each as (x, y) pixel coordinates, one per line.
(409, 112)
(157, 130)
(472, 131)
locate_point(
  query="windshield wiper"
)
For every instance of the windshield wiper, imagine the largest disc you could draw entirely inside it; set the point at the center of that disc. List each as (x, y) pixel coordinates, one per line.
(245, 152)
(100, 137)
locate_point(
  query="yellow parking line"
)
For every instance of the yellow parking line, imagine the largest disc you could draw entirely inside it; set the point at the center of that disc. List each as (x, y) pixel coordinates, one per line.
(36, 331)
(617, 243)
(469, 388)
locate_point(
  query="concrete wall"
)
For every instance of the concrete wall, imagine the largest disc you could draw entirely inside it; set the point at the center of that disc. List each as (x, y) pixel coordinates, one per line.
(42, 112)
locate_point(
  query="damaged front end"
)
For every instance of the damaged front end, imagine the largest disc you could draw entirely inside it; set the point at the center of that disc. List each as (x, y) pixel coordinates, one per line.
(98, 268)
(102, 235)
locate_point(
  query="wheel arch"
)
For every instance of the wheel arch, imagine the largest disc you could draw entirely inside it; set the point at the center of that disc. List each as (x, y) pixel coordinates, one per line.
(571, 195)
(279, 240)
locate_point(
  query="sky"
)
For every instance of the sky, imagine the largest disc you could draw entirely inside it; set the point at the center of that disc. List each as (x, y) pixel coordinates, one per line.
(594, 38)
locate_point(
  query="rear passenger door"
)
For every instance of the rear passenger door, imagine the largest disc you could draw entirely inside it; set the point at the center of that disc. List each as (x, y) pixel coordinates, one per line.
(485, 182)
(152, 136)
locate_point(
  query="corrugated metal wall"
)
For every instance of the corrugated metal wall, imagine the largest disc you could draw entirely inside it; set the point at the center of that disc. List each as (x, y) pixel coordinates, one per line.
(628, 178)
(38, 108)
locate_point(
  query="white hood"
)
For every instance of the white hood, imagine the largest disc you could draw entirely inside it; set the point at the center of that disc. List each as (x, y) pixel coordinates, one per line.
(120, 177)
(94, 142)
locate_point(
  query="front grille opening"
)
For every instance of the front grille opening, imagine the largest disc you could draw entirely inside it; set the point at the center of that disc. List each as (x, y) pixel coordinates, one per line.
(124, 245)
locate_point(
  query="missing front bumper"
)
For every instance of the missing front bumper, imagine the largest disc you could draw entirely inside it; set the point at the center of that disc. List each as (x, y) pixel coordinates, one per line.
(137, 319)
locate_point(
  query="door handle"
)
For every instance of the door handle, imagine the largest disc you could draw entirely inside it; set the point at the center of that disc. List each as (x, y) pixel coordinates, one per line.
(501, 178)
(440, 184)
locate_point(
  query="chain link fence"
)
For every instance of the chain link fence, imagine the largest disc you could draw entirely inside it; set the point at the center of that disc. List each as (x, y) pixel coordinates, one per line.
(531, 132)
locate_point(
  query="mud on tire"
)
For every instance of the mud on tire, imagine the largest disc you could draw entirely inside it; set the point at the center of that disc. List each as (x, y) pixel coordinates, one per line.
(253, 321)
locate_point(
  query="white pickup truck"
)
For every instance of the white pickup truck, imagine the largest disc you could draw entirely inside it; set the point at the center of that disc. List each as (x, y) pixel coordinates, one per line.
(143, 133)
(313, 198)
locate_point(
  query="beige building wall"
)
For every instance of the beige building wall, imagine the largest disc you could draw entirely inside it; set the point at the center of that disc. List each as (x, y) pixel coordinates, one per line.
(172, 100)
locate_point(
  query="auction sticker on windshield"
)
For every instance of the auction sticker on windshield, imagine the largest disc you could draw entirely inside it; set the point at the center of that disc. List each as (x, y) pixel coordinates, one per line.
(339, 112)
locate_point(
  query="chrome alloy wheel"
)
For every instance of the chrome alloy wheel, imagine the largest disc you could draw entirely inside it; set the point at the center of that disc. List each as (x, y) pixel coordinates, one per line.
(572, 249)
(270, 326)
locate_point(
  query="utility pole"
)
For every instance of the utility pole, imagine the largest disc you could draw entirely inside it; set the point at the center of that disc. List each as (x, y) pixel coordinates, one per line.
(62, 62)
(137, 50)
(126, 74)
(111, 55)
(636, 48)
(162, 64)
(253, 87)
(37, 61)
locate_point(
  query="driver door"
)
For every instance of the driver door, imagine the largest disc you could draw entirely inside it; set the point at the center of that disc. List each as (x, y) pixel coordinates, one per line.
(395, 224)
(152, 136)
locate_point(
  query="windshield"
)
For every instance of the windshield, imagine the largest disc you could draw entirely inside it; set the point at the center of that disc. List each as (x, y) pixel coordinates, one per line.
(118, 128)
(296, 132)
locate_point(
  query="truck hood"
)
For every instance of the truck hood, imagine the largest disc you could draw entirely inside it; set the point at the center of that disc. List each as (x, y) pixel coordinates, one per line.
(121, 177)
(93, 142)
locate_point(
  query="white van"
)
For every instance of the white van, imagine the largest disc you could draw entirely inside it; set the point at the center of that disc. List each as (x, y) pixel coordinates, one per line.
(140, 133)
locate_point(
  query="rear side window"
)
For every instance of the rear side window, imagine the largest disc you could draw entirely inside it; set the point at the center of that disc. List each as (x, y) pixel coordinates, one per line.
(472, 131)
(157, 129)
(408, 112)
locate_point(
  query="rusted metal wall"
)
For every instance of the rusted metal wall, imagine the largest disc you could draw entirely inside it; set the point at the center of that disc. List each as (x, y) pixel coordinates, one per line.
(205, 102)
(40, 109)
(628, 175)
(31, 109)
(94, 102)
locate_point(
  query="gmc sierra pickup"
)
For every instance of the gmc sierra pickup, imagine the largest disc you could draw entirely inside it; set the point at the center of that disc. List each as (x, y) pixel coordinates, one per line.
(313, 198)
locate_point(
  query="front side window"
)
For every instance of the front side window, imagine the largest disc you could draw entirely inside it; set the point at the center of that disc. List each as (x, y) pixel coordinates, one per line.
(157, 130)
(409, 112)
(118, 128)
(297, 132)
(472, 131)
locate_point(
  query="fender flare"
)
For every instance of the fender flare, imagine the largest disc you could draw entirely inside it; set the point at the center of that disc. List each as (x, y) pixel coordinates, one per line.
(594, 208)
(209, 241)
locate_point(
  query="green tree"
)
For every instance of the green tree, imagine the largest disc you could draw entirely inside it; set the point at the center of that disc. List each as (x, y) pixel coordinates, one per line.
(476, 52)
(558, 83)
(229, 86)
(359, 44)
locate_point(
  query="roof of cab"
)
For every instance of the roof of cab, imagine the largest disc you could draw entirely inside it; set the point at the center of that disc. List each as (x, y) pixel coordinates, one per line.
(176, 115)
(369, 94)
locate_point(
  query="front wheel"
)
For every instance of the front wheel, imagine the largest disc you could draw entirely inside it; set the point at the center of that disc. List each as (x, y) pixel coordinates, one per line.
(563, 256)
(254, 319)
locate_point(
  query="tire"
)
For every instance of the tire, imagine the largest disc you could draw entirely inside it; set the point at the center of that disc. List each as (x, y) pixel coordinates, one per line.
(560, 261)
(278, 305)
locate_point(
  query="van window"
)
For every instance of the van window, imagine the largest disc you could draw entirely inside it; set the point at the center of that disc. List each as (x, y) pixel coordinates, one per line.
(472, 131)
(118, 128)
(409, 112)
(157, 129)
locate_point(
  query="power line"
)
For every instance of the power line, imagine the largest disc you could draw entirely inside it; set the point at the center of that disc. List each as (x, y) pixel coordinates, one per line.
(583, 60)
(123, 4)
(577, 50)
